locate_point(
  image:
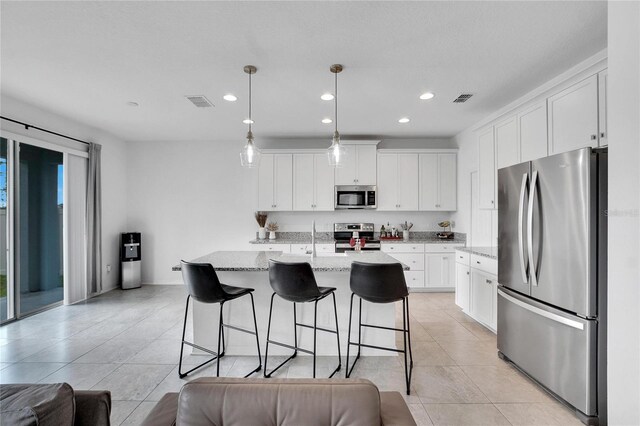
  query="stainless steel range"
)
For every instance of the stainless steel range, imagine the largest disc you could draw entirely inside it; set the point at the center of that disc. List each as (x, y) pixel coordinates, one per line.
(343, 232)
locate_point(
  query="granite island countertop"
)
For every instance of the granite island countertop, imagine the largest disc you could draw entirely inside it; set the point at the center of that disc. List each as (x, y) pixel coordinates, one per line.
(490, 252)
(254, 261)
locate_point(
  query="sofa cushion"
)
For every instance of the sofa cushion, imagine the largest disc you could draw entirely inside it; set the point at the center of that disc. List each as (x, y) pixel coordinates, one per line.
(286, 402)
(394, 410)
(164, 412)
(42, 405)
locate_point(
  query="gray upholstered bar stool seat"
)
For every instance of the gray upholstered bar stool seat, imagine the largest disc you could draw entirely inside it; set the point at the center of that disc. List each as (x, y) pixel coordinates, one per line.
(205, 287)
(295, 282)
(380, 283)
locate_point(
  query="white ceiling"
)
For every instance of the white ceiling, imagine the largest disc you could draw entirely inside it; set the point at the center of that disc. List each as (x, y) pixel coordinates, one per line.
(85, 60)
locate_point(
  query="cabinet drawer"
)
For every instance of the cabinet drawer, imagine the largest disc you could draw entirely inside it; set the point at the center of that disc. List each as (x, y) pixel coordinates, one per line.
(303, 248)
(402, 248)
(285, 248)
(440, 248)
(462, 257)
(299, 248)
(485, 264)
(325, 248)
(414, 279)
(413, 261)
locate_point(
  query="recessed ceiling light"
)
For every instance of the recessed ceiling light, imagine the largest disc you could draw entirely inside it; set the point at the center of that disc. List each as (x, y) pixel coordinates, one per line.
(404, 120)
(327, 120)
(229, 97)
(247, 121)
(133, 104)
(427, 95)
(327, 97)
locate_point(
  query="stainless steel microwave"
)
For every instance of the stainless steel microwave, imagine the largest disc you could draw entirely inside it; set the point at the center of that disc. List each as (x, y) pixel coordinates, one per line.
(355, 197)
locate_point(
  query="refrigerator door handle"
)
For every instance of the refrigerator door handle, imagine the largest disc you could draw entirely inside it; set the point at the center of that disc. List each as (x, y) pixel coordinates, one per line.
(542, 312)
(523, 265)
(532, 196)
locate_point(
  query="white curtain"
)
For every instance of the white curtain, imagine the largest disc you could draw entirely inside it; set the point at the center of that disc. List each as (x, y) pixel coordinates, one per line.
(75, 225)
(94, 221)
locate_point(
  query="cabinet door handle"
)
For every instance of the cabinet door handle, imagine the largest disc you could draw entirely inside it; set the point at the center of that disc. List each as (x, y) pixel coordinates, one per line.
(491, 201)
(602, 135)
(467, 272)
(594, 137)
(391, 248)
(488, 281)
(478, 262)
(461, 257)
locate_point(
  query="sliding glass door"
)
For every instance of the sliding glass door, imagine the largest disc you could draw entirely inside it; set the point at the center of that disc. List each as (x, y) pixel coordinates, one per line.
(39, 214)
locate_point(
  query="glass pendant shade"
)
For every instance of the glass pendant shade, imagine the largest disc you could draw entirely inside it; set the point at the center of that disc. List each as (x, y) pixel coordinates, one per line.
(336, 153)
(250, 154)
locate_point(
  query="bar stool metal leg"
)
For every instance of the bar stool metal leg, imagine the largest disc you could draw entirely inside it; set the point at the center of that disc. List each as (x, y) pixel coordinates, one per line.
(335, 311)
(295, 347)
(193, 345)
(349, 343)
(347, 373)
(255, 325)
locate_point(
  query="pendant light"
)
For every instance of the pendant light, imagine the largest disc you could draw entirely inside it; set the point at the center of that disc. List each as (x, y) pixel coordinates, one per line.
(336, 152)
(250, 154)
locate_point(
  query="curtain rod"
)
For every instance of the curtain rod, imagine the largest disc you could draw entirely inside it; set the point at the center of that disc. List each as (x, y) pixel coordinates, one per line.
(30, 126)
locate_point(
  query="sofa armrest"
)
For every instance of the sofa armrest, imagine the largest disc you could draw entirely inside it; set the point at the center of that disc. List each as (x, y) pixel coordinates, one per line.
(93, 408)
(394, 410)
(164, 413)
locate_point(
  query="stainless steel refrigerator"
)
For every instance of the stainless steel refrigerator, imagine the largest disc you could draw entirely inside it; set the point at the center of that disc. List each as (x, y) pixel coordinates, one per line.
(552, 260)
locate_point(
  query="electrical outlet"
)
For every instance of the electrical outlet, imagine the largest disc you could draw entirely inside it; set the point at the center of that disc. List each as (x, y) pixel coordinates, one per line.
(108, 268)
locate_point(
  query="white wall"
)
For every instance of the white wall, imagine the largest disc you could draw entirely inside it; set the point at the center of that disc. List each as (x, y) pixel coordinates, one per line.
(624, 213)
(114, 169)
(192, 198)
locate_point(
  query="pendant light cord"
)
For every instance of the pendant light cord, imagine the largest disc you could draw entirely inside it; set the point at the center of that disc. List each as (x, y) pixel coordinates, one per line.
(250, 101)
(336, 99)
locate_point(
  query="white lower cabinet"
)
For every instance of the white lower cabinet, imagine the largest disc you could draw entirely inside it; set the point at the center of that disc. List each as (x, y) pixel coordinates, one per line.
(439, 270)
(477, 287)
(482, 302)
(463, 281)
(432, 265)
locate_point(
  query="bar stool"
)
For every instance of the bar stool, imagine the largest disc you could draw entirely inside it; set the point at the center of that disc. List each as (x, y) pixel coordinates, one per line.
(380, 283)
(295, 282)
(205, 287)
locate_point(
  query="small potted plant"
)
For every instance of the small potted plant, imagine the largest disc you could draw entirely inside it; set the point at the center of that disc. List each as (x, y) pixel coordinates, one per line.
(272, 227)
(261, 218)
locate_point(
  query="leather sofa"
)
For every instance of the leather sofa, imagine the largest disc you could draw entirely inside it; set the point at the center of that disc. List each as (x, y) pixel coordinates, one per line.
(53, 404)
(287, 402)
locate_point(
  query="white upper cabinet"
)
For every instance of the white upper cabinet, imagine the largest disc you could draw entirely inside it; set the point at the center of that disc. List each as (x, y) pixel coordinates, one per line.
(603, 137)
(486, 170)
(506, 142)
(359, 167)
(275, 183)
(312, 182)
(398, 181)
(573, 117)
(532, 127)
(438, 182)
(303, 182)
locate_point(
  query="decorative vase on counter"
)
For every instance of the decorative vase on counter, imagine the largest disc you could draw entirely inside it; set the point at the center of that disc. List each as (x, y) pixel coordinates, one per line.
(262, 234)
(272, 235)
(405, 235)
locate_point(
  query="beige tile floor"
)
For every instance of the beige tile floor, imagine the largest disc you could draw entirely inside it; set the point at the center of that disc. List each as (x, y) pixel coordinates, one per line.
(128, 342)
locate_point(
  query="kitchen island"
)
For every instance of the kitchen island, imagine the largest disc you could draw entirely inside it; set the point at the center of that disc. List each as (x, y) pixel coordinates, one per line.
(250, 269)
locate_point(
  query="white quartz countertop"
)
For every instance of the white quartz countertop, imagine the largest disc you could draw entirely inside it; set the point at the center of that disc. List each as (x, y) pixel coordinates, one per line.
(490, 252)
(259, 260)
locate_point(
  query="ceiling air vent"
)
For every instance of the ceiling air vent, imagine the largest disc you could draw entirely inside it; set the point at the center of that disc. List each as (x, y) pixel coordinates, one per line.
(462, 98)
(200, 101)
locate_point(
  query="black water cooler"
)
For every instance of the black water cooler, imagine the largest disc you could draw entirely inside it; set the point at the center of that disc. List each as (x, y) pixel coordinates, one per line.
(130, 260)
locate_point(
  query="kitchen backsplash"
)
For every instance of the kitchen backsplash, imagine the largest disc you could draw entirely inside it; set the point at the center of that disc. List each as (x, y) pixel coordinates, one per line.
(301, 221)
